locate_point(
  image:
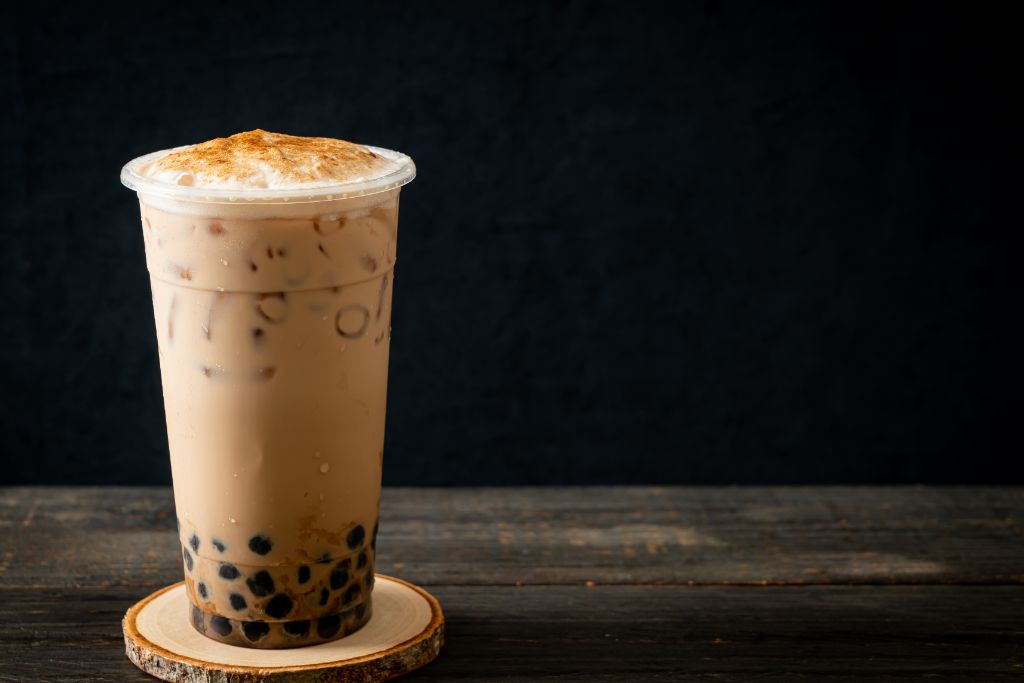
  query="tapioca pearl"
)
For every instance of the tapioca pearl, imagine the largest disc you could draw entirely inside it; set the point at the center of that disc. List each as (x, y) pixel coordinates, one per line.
(220, 625)
(339, 577)
(260, 544)
(297, 628)
(203, 592)
(324, 594)
(356, 536)
(271, 306)
(303, 574)
(261, 584)
(373, 536)
(353, 593)
(237, 601)
(197, 619)
(218, 545)
(328, 626)
(351, 321)
(361, 562)
(361, 610)
(368, 581)
(279, 606)
(255, 630)
(194, 542)
(345, 564)
(188, 558)
(228, 571)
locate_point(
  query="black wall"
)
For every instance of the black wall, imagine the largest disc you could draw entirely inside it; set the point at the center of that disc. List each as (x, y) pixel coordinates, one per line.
(649, 242)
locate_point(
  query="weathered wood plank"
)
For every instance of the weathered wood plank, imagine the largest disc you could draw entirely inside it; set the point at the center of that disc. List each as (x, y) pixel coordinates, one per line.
(612, 633)
(632, 535)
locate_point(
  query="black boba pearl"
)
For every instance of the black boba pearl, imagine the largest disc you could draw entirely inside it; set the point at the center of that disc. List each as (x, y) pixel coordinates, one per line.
(197, 619)
(261, 584)
(356, 537)
(260, 544)
(201, 587)
(188, 558)
(237, 601)
(218, 545)
(324, 594)
(339, 577)
(279, 606)
(361, 610)
(303, 574)
(345, 564)
(362, 560)
(194, 542)
(220, 625)
(254, 630)
(373, 537)
(297, 628)
(328, 626)
(368, 581)
(351, 594)
(228, 571)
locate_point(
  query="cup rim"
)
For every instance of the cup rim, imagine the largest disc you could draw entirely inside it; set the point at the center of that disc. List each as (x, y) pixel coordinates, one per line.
(133, 180)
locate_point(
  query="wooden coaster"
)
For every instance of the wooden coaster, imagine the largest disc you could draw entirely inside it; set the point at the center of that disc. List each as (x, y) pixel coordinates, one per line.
(405, 632)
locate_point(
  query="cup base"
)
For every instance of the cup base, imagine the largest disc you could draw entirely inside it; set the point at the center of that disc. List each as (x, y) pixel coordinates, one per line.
(274, 635)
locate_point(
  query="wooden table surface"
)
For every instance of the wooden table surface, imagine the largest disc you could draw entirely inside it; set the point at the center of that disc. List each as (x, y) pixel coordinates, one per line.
(588, 584)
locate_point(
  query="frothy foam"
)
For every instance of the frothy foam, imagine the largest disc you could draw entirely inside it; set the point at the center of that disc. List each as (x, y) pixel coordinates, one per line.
(260, 160)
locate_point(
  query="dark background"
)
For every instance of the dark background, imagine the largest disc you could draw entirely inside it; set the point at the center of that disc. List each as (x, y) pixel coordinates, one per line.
(653, 243)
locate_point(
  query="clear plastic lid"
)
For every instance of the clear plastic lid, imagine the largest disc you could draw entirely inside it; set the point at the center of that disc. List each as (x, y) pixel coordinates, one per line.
(403, 171)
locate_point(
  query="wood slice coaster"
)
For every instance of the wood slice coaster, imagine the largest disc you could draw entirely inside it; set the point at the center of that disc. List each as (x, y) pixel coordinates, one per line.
(405, 632)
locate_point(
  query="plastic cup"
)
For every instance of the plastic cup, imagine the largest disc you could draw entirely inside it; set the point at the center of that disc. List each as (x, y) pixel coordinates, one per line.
(273, 313)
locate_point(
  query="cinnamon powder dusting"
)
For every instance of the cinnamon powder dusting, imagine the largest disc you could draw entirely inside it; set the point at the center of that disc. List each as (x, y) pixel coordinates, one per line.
(258, 158)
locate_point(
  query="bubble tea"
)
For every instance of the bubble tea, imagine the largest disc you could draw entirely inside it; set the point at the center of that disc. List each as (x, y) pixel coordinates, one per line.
(270, 259)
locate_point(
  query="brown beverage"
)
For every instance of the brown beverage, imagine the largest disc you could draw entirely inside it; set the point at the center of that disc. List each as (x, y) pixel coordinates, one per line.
(270, 259)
